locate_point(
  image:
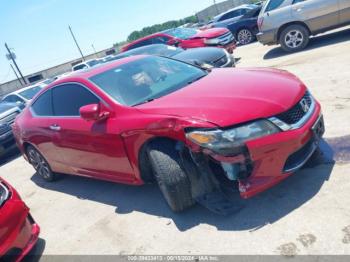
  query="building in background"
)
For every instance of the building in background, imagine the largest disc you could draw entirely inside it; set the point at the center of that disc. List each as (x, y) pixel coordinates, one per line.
(208, 13)
(13, 85)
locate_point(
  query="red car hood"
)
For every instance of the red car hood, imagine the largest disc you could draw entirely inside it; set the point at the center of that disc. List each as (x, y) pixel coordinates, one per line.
(231, 96)
(210, 33)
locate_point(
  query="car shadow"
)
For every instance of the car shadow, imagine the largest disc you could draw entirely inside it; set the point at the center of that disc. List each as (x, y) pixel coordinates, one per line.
(266, 208)
(315, 42)
(10, 156)
(36, 253)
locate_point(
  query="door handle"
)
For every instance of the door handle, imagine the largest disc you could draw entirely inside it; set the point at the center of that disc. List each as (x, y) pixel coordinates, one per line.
(55, 127)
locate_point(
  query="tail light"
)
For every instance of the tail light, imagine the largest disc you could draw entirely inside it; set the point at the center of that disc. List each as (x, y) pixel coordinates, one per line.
(260, 22)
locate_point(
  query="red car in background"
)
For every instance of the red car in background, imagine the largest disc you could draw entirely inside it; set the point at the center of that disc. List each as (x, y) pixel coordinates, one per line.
(146, 118)
(18, 230)
(188, 38)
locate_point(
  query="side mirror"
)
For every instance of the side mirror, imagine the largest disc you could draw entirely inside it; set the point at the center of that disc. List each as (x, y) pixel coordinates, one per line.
(92, 113)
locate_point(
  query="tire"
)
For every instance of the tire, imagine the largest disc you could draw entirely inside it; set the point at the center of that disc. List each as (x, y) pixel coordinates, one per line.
(172, 179)
(294, 38)
(40, 164)
(245, 36)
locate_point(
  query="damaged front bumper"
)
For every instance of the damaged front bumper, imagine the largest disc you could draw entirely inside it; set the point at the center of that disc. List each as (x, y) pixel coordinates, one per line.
(266, 161)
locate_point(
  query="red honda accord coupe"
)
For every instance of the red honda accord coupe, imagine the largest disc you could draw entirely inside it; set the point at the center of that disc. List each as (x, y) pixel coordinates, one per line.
(146, 118)
(18, 230)
(188, 38)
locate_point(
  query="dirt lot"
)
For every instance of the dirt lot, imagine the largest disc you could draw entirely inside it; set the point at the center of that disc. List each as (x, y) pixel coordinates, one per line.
(307, 214)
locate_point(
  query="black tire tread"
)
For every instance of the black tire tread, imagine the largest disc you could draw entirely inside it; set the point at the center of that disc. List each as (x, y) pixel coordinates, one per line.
(171, 178)
(303, 29)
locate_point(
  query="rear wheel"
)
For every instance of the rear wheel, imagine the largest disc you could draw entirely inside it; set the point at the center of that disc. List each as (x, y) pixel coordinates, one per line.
(245, 36)
(294, 38)
(172, 179)
(40, 164)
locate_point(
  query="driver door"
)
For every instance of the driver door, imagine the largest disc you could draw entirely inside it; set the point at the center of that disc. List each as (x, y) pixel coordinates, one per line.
(87, 148)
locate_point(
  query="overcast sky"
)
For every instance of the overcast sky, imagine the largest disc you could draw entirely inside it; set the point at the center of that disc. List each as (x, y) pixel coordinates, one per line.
(37, 30)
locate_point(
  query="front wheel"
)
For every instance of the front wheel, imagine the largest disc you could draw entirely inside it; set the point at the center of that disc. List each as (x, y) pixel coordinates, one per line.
(294, 38)
(40, 164)
(172, 179)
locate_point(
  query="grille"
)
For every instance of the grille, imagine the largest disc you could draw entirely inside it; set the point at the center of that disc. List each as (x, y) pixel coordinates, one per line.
(4, 128)
(226, 38)
(9, 119)
(221, 62)
(296, 113)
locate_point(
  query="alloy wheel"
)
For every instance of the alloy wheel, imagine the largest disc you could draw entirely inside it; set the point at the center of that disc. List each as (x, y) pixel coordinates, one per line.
(294, 39)
(39, 164)
(244, 36)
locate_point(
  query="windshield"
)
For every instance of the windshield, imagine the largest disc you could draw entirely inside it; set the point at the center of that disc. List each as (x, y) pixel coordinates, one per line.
(79, 67)
(31, 92)
(181, 33)
(92, 63)
(146, 79)
(158, 49)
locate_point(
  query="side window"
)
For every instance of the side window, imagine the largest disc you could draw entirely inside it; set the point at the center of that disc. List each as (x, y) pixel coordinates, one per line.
(297, 1)
(274, 4)
(69, 98)
(230, 15)
(160, 40)
(142, 43)
(43, 105)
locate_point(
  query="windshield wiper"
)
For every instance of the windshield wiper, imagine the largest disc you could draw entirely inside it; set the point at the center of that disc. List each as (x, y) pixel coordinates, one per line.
(145, 101)
(196, 79)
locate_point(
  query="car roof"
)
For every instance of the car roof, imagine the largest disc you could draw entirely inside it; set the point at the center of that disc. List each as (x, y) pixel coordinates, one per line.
(126, 46)
(235, 8)
(23, 89)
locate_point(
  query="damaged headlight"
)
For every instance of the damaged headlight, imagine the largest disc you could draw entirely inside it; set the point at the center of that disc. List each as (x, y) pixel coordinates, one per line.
(4, 194)
(227, 142)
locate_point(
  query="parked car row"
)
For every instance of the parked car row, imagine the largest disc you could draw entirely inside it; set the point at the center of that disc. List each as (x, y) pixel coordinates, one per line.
(289, 23)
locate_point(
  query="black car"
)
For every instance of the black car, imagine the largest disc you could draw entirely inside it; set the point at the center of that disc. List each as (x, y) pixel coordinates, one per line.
(204, 56)
(8, 113)
(245, 27)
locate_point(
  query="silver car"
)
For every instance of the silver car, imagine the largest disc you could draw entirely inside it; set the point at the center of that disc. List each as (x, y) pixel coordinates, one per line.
(290, 23)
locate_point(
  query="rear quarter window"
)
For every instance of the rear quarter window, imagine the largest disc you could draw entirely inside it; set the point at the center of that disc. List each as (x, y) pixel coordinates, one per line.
(43, 104)
(274, 4)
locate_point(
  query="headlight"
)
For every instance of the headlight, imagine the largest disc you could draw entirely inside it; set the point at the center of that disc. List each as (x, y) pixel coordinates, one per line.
(4, 194)
(213, 41)
(227, 142)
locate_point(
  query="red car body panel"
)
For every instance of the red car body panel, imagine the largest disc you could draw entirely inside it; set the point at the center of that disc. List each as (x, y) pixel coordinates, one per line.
(110, 149)
(17, 228)
(198, 40)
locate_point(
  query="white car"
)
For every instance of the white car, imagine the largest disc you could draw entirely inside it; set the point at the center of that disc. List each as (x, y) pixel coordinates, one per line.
(22, 96)
(86, 64)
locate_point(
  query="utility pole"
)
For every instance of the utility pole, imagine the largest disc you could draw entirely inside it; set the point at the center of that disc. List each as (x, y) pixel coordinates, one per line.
(75, 40)
(216, 7)
(14, 71)
(93, 47)
(14, 62)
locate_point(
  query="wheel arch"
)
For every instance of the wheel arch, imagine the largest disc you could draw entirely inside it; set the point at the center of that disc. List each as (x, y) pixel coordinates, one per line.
(280, 30)
(146, 172)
